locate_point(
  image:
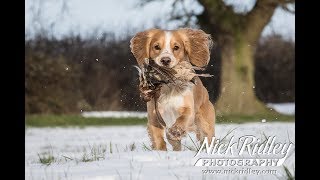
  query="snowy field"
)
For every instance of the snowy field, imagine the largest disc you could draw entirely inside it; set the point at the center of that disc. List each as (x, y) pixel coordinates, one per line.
(283, 108)
(123, 152)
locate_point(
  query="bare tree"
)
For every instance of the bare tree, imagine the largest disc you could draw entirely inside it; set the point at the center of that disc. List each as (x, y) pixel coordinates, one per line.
(39, 23)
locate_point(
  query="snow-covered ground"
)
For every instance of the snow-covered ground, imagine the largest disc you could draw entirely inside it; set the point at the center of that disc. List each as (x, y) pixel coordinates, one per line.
(121, 152)
(284, 108)
(114, 114)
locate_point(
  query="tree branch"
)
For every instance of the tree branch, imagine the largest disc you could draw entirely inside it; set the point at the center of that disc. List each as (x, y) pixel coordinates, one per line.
(259, 17)
(142, 3)
(183, 15)
(221, 16)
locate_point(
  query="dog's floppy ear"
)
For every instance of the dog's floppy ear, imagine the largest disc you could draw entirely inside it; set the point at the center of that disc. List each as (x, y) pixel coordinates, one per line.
(140, 45)
(198, 45)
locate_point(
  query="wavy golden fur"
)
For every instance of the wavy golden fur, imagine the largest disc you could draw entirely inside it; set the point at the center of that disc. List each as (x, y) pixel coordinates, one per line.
(190, 109)
(197, 45)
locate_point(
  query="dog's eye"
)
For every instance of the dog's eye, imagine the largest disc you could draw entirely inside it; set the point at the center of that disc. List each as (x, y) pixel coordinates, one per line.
(157, 47)
(175, 48)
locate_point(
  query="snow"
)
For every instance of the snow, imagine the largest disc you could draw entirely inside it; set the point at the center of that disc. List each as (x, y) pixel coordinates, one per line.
(128, 161)
(283, 108)
(114, 114)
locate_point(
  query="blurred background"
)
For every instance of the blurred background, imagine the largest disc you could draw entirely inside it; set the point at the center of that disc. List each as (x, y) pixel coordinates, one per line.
(77, 55)
(79, 74)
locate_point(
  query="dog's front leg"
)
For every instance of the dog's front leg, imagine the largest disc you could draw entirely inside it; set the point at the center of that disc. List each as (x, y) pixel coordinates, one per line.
(156, 135)
(177, 131)
(179, 128)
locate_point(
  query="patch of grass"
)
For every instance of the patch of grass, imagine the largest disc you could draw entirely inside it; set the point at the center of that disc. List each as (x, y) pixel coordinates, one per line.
(96, 153)
(227, 134)
(132, 147)
(240, 118)
(289, 175)
(110, 148)
(146, 147)
(66, 158)
(46, 158)
(195, 147)
(119, 174)
(77, 120)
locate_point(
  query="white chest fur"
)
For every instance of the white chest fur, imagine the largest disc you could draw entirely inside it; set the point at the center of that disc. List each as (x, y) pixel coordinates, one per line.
(169, 103)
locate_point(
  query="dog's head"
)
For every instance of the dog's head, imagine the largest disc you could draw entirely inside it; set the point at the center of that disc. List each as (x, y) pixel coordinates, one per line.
(168, 48)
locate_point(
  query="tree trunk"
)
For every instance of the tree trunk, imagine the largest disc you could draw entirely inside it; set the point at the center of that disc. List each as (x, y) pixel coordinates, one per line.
(237, 94)
(236, 35)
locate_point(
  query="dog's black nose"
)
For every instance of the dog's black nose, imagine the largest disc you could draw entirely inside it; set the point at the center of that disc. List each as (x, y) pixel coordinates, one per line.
(165, 61)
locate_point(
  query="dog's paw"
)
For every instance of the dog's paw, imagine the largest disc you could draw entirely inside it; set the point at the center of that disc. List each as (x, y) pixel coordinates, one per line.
(176, 133)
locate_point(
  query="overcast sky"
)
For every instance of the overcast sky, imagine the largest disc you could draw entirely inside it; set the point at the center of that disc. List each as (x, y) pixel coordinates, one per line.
(121, 16)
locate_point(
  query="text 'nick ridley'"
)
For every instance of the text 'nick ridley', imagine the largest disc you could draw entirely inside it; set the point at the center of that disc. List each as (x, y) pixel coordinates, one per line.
(246, 151)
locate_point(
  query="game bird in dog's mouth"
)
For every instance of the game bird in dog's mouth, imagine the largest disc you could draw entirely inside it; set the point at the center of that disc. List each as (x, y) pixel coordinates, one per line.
(177, 101)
